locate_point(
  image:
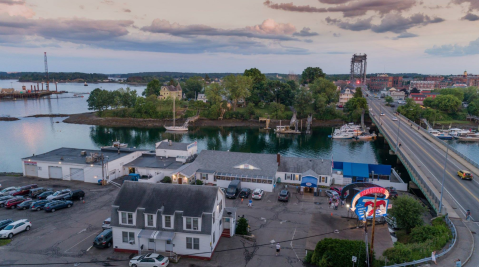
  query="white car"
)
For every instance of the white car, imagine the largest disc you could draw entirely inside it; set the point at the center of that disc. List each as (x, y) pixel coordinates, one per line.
(382, 114)
(258, 193)
(152, 259)
(7, 191)
(58, 195)
(15, 228)
(395, 119)
(332, 193)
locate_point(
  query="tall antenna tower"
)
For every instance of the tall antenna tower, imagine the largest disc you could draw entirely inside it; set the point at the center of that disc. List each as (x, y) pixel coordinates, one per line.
(46, 72)
(358, 69)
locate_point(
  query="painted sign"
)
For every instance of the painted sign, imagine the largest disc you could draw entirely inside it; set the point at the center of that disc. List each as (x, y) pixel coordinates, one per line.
(191, 145)
(309, 184)
(368, 191)
(30, 163)
(365, 207)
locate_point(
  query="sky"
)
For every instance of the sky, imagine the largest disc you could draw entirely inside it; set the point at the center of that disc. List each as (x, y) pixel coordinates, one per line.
(284, 36)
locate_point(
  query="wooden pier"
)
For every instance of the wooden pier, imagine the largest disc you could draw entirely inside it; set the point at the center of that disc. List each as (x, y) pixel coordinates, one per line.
(37, 94)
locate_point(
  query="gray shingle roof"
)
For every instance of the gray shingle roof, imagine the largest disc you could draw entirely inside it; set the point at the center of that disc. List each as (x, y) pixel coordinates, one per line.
(151, 197)
(301, 165)
(152, 161)
(174, 146)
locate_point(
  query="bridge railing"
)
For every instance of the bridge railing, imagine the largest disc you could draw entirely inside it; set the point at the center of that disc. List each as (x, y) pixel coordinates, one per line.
(413, 173)
(444, 251)
(473, 163)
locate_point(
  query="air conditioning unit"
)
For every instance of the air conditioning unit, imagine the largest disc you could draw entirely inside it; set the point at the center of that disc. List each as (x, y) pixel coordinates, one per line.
(195, 228)
(89, 159)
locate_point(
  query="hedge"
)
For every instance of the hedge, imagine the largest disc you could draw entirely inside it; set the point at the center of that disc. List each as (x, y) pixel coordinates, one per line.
(338, 252)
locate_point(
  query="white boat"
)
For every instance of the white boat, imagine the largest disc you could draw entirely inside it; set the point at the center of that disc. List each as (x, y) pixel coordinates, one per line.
(175, 128)
(86, 84)
(469, 138)
(365, 136)
(118, 144)
(285, 130)
(342, 135)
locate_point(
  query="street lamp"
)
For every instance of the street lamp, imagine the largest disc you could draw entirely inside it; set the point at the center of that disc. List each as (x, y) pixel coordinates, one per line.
(347, 206)
(443, 177)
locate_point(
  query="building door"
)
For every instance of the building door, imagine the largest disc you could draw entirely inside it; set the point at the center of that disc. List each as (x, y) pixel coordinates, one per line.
(77, 174)
(151, 244)
(31, 169)
(227, 223)
(55, 172)
(169, 245)
(180, 180)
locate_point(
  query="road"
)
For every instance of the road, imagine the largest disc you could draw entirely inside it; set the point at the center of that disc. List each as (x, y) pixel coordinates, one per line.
(462, 195)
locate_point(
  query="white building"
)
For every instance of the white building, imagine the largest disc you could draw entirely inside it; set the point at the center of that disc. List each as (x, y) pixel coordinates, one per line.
(397, 95)
(345, 95)
(80, 164)
(422, 85)
(168, 148)
(185, 220)
(201, 97)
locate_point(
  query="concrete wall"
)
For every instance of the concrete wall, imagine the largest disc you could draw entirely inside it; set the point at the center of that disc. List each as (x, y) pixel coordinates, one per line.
(384, 183)
(92, 174)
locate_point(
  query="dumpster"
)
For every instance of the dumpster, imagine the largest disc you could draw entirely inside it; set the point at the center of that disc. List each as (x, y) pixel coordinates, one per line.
(134, 177)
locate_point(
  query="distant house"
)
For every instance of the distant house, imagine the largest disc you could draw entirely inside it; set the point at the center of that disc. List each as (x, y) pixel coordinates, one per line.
(171, 91)
(201, 97)
(396, 94)
(345, 95)
(185, 220)
(8, 90)
(419, 97)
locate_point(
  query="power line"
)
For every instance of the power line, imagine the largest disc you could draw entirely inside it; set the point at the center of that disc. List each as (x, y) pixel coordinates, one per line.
(193, 254)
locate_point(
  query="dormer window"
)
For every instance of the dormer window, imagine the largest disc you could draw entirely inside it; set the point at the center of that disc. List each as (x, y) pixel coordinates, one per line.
(247, 167)
(192, 224)
(126, 218)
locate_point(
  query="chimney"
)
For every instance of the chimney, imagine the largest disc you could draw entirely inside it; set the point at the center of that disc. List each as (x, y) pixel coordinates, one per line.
(278, 158)
(170, 143)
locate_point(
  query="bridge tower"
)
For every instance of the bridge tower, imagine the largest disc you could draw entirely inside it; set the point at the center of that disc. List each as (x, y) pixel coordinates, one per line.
(358, 69)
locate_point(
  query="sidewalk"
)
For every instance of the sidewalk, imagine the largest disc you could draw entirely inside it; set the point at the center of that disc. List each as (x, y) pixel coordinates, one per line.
(462, 249)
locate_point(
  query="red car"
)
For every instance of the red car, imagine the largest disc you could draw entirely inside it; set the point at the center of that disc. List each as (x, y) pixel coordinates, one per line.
(12, 203)
(24, 190)
(337, 190)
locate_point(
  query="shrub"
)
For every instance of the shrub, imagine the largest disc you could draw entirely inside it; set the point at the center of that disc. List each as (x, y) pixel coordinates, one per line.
(308, 257)
(199, 182)
(242, 227)
(336, 252)
(408, 212)
(166, 180)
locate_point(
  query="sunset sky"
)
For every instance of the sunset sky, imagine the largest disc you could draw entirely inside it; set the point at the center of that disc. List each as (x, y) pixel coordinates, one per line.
(110, 36)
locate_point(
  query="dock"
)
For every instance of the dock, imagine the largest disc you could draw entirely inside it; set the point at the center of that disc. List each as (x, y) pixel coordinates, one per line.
(36, 94)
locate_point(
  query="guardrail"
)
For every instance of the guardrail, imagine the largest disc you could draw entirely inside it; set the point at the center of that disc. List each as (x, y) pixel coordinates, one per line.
(473, 163)
(444, 251)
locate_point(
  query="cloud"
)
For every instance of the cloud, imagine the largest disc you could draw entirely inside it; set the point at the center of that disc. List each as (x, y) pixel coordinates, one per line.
(127, 10)
(269, 29)
(473, 4)
(337, 53)
(12, 2)
(16, 8)
(353, 9)
(390, 23)
(82, 7)
(334, 2)
(405, 35)
(336, 34)
(470, 17)
(305, 32)
(453, 50)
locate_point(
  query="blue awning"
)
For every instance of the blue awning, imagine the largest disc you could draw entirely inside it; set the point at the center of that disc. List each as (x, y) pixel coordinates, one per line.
(309, 181)
(355, 170)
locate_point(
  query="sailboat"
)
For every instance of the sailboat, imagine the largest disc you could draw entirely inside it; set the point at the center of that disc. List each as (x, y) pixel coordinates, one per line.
(175, 128)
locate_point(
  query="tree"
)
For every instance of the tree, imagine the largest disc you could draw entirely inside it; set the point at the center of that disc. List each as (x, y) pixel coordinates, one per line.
(237, 87)
(408, 212)
(255, 74)
(152, 88)
(128, 97)
(310, 74)
(473, 107)
(276, 110)
(214, 93)
(325, 87)
(337, 252)
(428, 102)
(471, 91)
(207, 78)
(303, 102)
(98, 100)
(447, 103)
(389, 99)
(193, 86)
(280, 92)
(356, 103)
(173, 82)
(242, 227)
(410, 110)
(457, 92)
(358, 92)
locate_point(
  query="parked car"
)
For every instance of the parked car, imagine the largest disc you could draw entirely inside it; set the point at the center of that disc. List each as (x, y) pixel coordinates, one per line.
(332, 193)
(4, 223)
(4, 199)
(12, 203)
(60, 195)
(233, 189)
(39, 204)
(335, 189)
(257, 194)
(284, 195)
(7, 191)
(104, 239)
(76, 195)
(37, 191)
(465, 174)
(106, 224)
(56, 205)
(393, 193)
(25, 204)
(24, 190)
(44, 195)
(151, 259)
(15, 227)
(245, 192)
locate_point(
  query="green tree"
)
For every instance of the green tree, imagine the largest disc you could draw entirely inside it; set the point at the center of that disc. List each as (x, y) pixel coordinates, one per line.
(457, 92)
(410, 110)
(325, 87)
(237, 87)
(470, 93)
(473, 107)
(337, 252)
(303, 102)
(98, 100)
(356, 103)
(128, 97)
(255, 75)
(310, 74)
(389, 99)
(147, 107)
(276, 110)
(280, 92)
(408, 212)
(242, 227)
(320, 104)
(214, 93)
(173, 82)
(447, 103)
(152, 88)
(193, 86)
(358, 92)
(428, 102)
(207, 78)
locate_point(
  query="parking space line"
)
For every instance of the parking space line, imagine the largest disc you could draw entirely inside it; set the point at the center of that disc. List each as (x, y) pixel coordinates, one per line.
(80, 241)
(89, 248)
(291, 244)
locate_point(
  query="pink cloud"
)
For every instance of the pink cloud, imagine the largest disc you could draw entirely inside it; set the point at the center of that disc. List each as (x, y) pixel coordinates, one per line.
(270, 26)
(15, 8)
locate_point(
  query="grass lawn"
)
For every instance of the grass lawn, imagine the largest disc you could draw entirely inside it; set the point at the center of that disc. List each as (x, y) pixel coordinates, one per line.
(4, 242)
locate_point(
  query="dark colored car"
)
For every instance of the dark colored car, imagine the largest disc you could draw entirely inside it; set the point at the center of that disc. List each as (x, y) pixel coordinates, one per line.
(12, 203)
(25, 204)
(245, 192)
(284, 195)
(57, 204)
(3, 200)
(37, 191)
(39, 204)
(392, 192)
(4, 223)
(104, 239)
(24, 190)
(44, 195)
(76, 195)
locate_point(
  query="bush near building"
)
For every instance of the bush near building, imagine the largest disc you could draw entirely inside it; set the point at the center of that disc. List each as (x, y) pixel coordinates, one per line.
(242, 227)
(337, 252)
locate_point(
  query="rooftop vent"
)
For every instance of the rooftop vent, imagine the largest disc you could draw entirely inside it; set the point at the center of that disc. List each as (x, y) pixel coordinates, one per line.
(83, 153)
(170, 143)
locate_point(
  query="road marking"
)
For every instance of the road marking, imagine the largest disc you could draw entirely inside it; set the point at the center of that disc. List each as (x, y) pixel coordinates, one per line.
(291, 243)
(80, 242)
(89, 248)
(84, 230)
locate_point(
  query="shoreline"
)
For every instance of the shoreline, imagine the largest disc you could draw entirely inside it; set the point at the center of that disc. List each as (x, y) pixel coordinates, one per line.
(91, 119)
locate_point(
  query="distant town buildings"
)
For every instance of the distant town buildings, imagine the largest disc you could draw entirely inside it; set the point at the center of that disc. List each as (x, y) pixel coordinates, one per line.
(396, 94)
(419, 97)
(201, 97)
(171, 91)
(422, 85)
(345, 95)
(383, 81)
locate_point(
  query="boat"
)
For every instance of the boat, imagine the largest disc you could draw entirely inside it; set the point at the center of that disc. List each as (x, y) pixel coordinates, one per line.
(86, 84)
(366, 136)
(468, 138)
(285, 130)
(175, 128)
(444, 136)
(118, 144)
(341, 135)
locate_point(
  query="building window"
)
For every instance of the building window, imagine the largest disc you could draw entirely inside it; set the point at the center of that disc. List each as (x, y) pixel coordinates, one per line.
(192, 243)
(128, 237)
(214, 239)
(221, 207)
(149, 220)
(127, 218)
(167, 222)
(213, 217)
(191, 224)
(204, 176)
(288, 176)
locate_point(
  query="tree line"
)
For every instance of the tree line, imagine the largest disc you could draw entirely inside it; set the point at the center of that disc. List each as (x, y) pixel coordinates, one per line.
(62, 76)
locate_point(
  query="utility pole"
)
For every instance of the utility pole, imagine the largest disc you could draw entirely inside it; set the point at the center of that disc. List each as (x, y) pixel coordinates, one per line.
(102, 170)
(366, 235)
(372, 235)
